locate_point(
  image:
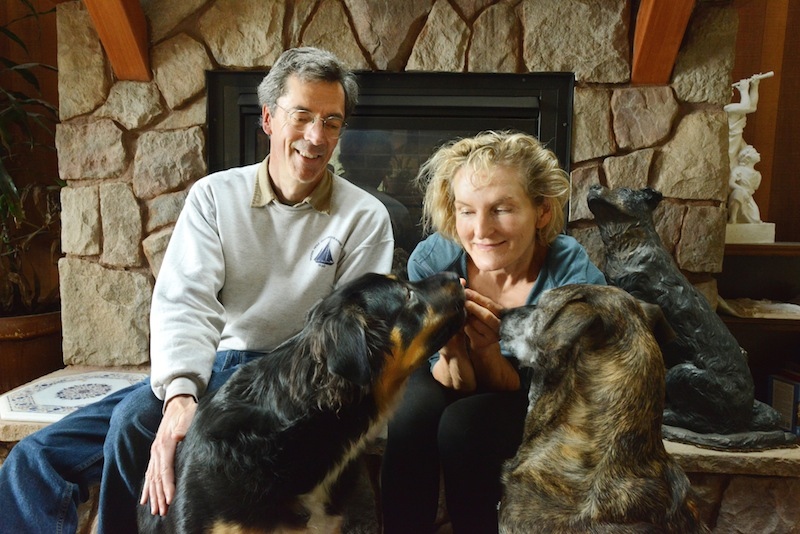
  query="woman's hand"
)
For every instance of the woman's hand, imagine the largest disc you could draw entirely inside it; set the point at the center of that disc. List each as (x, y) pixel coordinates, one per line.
(454, 368)
(159, 480)
(492, 369)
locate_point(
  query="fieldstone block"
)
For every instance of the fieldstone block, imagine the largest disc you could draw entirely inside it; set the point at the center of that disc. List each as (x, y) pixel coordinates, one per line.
(105, 314)
(702, 252)
(384, 28)
(132, 104)
(631, 170)
(668, 218)
(643, 116)
(442, 43)
(90, 151)
(693, 164)
(155, 245)
(487, 53)
(164, 210)
(122, 226)
(193, 114)
(703, 67)
(587, 38)
(163, 17)
(244, 33)
(167, 160)
(760, 504)
(471, 8)
(330, 30)
(591, 124)
(83, 73)
(179, 66)
(581, 180)
(80, 221)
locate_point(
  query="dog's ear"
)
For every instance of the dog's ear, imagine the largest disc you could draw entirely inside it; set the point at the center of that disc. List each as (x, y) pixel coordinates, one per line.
(661, 329)
(348, 354)
(652, 197)
(563, 331)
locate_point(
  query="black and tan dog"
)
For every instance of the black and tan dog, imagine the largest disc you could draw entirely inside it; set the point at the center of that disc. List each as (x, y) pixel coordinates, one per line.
(591, 458)
(269, 451)
(709, 388)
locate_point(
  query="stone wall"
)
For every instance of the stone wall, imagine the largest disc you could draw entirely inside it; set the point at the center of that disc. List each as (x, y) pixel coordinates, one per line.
(130, 150)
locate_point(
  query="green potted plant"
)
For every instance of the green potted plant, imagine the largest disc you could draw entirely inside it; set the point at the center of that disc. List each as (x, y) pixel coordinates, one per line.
(29, 213)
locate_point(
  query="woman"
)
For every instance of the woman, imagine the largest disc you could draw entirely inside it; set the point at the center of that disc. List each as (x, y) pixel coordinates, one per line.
(496, 204)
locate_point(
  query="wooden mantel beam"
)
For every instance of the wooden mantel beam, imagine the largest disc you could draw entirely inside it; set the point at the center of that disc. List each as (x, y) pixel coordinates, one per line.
(660, 25)
(122, 28)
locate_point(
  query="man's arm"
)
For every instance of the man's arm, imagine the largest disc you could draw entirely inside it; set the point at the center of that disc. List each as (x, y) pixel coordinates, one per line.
(186, 320)
(159, 480)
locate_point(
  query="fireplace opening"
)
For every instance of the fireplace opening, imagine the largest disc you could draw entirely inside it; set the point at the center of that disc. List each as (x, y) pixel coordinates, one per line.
(400, 119)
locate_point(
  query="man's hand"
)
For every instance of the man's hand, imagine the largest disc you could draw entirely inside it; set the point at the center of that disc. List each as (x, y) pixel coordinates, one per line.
(159, 480)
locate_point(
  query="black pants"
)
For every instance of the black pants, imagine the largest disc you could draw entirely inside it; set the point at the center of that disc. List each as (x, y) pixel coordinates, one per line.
(466, 438)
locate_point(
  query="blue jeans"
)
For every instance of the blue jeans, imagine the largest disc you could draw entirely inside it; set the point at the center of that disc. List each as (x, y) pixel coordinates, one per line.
(49, 473)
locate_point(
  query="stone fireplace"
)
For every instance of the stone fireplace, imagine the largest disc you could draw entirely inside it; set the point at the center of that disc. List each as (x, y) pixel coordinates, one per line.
(400, 119)
(129, 151)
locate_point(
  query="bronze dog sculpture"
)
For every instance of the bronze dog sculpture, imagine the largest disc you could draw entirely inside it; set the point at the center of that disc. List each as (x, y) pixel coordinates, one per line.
(709, 387)
(591, 458)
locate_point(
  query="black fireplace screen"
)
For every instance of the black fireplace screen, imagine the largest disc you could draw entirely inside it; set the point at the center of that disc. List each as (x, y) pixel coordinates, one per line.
(400, 120)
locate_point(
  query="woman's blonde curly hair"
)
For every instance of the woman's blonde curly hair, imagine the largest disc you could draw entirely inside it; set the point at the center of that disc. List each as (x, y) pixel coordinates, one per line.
(543, 179)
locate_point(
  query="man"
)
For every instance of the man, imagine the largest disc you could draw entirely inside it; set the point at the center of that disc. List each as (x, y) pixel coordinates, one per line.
(253, 249)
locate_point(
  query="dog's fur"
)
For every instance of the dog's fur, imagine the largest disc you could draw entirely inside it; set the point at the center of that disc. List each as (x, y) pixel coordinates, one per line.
(591, 458)
(269, 451)
(709, 388)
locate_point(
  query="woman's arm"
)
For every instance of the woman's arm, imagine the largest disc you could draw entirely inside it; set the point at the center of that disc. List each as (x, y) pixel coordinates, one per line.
(493, 371)
(454, 369)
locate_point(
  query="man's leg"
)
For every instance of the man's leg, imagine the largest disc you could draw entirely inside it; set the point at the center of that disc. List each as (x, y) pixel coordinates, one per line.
(49, 473)
(127, 449)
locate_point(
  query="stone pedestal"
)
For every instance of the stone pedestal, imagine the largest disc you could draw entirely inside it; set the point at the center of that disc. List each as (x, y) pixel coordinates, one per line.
(749, 233)
(744, 492)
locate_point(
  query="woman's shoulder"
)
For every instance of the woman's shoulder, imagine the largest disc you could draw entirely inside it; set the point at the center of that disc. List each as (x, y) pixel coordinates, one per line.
(568, 259)
(435, 254)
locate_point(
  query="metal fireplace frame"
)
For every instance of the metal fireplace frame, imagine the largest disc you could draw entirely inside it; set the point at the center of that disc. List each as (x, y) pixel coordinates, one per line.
(537, 103)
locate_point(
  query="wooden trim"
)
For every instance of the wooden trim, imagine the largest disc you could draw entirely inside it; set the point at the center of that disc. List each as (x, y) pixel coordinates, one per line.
(763, 249)
(660, 26)
(764, 130)
(122, 28)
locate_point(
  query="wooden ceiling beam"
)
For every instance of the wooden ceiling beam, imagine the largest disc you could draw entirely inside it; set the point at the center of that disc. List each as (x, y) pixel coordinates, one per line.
(122, 28)
(660, 25)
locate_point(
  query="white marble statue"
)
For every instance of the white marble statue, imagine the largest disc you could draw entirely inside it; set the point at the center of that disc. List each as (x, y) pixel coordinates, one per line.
(744, 179)
(743, 182)
(738, 111)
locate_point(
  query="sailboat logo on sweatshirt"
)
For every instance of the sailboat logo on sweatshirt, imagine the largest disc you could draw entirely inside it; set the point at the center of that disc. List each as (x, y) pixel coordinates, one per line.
(327, 251)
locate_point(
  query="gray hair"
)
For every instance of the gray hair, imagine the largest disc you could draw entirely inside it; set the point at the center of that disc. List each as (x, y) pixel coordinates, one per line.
(311, 65)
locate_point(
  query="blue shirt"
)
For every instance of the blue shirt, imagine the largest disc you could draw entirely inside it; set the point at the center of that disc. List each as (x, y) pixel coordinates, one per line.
(566, 263)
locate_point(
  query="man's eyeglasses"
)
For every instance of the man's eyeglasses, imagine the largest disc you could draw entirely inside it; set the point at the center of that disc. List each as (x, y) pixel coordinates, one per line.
(300, 120)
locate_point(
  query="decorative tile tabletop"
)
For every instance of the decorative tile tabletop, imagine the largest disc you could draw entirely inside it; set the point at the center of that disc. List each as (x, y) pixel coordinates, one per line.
(50, 398)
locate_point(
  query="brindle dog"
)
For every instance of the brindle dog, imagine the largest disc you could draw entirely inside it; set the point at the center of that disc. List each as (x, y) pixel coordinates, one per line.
(592, 458)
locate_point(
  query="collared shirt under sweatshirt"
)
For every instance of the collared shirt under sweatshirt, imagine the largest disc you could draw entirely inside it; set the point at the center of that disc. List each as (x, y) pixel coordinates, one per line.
(242, 269)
